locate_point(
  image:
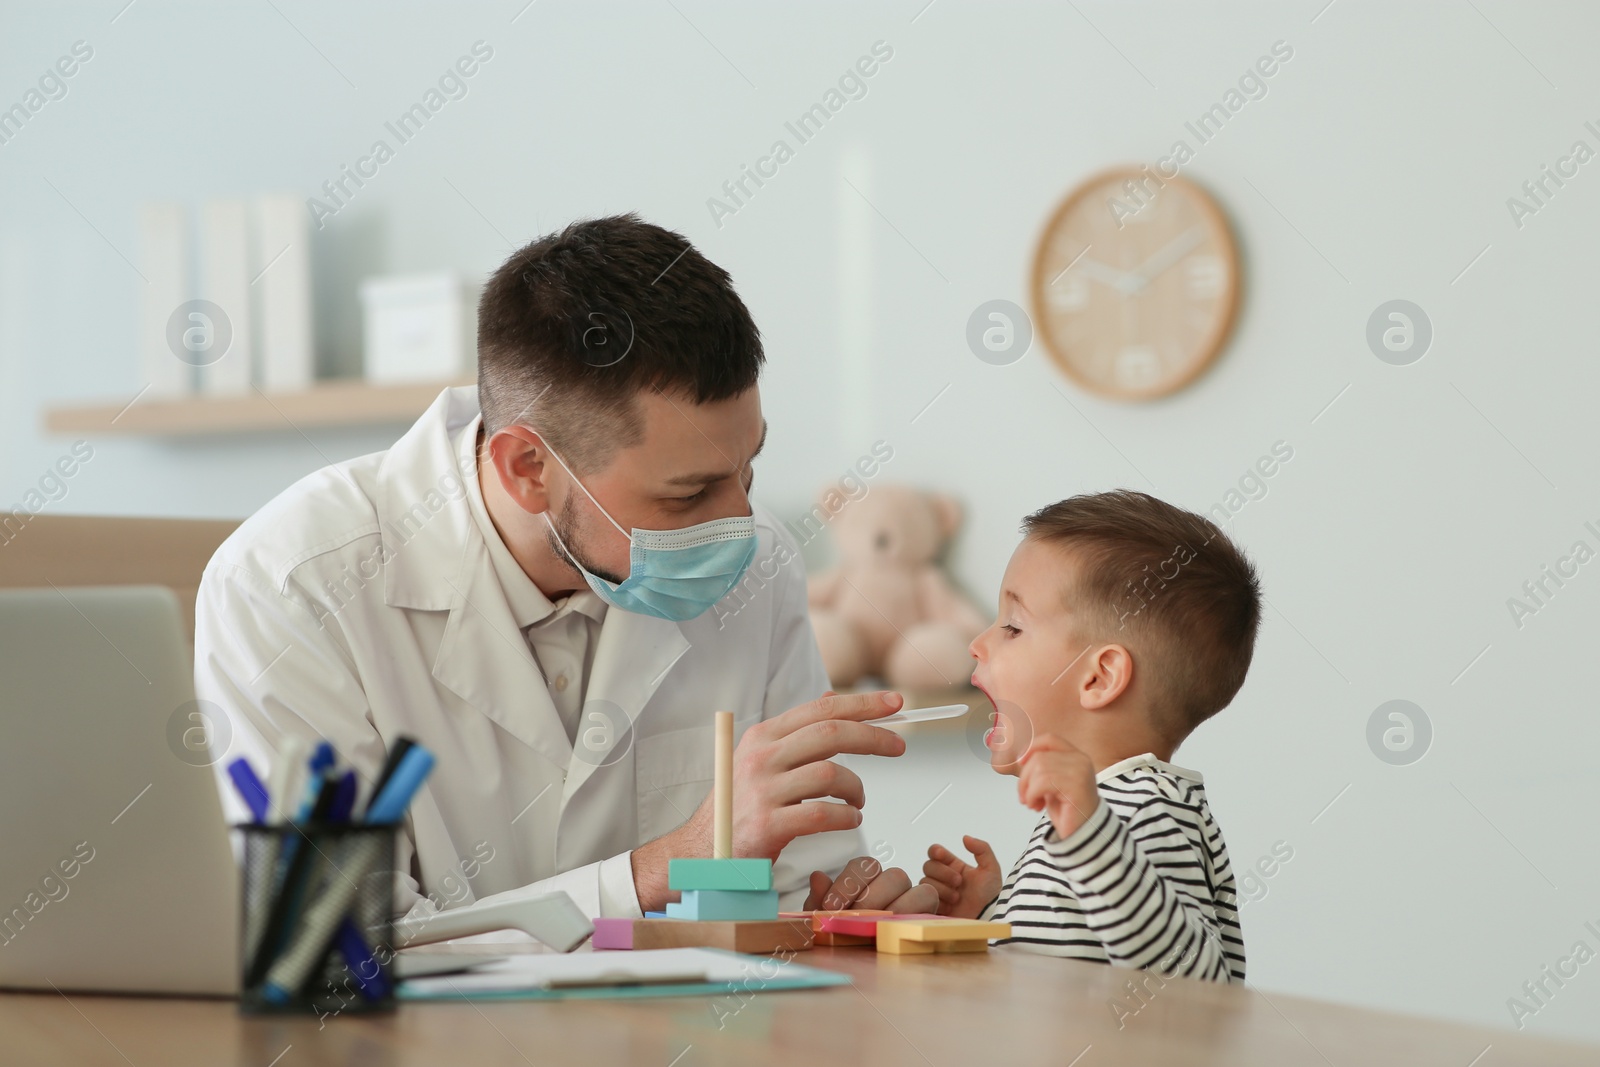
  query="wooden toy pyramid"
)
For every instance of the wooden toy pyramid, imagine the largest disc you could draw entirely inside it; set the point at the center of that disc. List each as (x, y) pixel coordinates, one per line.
(727, 902)
(730, 903)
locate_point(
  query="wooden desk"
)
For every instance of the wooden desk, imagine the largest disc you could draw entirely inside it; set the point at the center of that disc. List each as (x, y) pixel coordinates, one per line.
(1001, 1008)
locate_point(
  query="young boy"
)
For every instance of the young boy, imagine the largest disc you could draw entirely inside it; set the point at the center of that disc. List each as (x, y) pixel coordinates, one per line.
(1124, 623)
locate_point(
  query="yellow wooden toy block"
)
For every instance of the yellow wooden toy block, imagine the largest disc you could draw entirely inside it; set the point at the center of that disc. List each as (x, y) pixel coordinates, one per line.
(926, 937)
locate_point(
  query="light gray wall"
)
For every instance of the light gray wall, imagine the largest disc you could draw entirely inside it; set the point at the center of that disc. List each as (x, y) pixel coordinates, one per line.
(1377, 167)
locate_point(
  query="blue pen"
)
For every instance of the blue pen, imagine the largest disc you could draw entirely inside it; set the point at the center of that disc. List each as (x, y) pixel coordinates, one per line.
(360, 962)
(390, 804)
(250, 788)
(317, 767)
(344, 798)
(322, 759)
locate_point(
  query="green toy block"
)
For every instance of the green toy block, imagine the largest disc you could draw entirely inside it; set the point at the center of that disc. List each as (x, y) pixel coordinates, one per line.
(725, 905)
(719, 874)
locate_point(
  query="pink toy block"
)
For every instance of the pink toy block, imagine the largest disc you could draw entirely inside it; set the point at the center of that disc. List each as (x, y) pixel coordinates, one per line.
(613, 934)
(864, 925)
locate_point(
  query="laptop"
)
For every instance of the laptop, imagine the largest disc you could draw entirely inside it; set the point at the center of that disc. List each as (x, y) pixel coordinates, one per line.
(116, 871)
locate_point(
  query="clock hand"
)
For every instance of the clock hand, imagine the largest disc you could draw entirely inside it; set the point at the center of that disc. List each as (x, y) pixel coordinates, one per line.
(1173, 251)
(1117, 279)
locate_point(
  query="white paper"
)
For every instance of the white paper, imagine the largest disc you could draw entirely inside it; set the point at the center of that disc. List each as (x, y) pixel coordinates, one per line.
(544, 970)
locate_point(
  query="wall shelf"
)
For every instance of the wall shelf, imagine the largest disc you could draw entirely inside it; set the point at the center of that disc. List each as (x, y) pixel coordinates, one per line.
(330, 403)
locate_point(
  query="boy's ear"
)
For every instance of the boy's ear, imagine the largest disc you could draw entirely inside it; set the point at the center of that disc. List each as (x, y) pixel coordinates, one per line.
(1108, 677)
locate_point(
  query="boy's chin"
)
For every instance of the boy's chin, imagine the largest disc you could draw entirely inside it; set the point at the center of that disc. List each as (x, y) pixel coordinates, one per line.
(1002, 762)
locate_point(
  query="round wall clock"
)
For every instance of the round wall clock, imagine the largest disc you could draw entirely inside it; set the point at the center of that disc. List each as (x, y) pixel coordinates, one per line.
(1135, 284)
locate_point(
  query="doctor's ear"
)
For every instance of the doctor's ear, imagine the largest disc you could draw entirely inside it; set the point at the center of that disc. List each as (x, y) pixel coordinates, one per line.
(521, 463)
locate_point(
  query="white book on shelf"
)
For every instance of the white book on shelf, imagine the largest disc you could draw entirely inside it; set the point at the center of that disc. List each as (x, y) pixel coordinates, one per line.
(281, 267)
(164, 259)
(225, 282)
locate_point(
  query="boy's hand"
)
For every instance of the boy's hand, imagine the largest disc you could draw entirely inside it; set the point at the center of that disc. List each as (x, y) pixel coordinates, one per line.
(964, 889)
(1058, 777)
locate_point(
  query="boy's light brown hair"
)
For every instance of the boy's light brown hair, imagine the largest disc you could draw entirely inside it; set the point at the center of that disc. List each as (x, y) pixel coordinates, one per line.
(1167, 584)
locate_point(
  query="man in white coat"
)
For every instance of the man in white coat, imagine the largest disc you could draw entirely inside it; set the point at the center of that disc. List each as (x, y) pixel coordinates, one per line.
(546, 594)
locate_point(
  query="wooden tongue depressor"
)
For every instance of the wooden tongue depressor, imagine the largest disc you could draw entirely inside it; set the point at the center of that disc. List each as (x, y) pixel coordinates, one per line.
(902, 718)
(722, 841)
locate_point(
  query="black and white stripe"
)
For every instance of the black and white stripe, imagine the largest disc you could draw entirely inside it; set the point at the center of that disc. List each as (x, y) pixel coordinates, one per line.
(1145, 882)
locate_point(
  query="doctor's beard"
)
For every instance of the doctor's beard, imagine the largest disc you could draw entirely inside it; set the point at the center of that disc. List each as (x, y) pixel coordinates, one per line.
(567, 526)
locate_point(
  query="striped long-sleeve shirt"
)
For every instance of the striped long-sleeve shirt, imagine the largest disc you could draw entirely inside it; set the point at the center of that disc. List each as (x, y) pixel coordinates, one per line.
(1144, 882)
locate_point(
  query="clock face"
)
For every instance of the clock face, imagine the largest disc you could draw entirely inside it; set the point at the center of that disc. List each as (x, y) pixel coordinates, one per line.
(1134, 286)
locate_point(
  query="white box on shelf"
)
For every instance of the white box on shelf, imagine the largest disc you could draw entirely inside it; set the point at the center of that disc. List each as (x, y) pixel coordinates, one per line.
(419, 328)
(225, 281)
(164, 256)
(281, 268)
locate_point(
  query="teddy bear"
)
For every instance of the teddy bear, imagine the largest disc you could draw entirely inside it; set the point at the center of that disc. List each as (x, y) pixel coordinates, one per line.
(886, 610)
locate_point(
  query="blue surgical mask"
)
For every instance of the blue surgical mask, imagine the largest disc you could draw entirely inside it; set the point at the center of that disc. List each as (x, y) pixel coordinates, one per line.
(672, 574)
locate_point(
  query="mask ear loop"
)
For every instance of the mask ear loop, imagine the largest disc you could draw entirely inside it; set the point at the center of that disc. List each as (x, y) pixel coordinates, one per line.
(571, 559)
(586, 493)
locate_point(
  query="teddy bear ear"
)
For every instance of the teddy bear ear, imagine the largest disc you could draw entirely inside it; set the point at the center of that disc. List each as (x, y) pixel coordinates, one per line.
(948, 510)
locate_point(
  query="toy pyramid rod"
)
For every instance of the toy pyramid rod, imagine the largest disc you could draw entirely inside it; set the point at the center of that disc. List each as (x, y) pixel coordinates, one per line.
(722, 800)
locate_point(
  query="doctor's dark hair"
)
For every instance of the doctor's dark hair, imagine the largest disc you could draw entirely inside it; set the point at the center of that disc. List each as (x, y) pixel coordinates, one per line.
(575, 324)
(1168, 585)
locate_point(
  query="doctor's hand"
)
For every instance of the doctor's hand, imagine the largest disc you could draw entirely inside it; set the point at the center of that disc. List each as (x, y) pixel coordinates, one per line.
(781, 769)
(864, 884)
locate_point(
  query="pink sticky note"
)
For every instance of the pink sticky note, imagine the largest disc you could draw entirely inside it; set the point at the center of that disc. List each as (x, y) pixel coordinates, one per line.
(613, 934)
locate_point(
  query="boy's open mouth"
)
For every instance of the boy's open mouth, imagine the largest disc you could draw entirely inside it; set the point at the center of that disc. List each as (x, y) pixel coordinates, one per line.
(994, 711)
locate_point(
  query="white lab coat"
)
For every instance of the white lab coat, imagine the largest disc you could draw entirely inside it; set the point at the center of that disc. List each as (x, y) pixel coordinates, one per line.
(361, 604)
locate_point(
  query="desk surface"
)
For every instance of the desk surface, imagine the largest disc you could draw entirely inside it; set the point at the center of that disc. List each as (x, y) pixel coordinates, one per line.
(999, 1007)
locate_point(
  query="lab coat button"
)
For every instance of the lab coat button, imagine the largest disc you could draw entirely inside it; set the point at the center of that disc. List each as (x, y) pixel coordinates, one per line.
(561, 683)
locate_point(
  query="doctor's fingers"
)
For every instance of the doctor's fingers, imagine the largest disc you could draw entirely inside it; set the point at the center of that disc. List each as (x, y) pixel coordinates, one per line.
(852, 884)
(921, 899)
(823, 779)
(812, 817)
(885, 890)
(831, 737)
(847, 707)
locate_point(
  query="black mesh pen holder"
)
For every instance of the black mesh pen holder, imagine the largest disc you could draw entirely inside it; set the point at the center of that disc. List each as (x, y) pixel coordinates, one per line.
(315, 933)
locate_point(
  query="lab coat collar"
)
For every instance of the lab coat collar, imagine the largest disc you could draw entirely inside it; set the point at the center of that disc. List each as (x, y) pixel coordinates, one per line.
(423, 515)
(634, 655)
(437, 560)
(484, 660)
